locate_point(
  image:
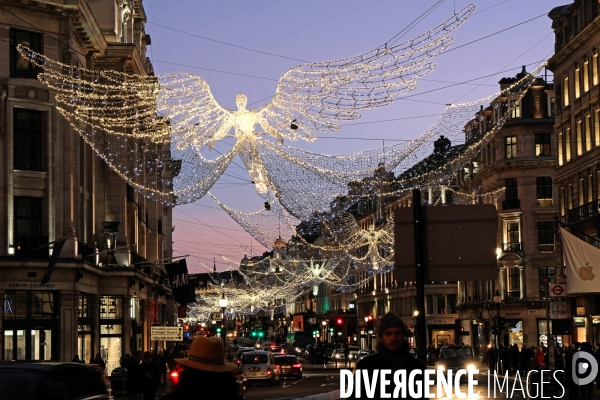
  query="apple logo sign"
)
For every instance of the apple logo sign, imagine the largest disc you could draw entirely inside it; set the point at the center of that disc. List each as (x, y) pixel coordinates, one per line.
(585, 273)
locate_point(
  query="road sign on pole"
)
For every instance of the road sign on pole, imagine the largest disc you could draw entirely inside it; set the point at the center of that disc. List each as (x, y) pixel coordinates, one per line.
(168, 333)
(557, 290)
(216, 316)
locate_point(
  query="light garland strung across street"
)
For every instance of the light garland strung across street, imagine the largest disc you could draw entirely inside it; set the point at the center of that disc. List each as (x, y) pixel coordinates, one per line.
(116, 113)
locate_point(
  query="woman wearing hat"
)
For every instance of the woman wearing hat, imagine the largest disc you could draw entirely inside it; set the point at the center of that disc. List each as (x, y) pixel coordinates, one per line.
(205, 372)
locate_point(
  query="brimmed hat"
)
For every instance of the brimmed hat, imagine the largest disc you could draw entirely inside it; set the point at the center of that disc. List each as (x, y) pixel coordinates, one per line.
(206, 354)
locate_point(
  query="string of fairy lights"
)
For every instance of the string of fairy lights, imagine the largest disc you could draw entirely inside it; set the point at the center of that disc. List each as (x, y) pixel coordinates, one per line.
(157, 133)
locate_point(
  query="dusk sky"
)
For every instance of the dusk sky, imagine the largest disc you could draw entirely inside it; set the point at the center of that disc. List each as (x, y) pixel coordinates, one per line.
(245, 47)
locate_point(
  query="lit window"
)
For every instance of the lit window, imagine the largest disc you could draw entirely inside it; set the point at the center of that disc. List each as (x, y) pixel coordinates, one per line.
(510, 146)
(542, 145)
(544, 191)
(515, 106)
(566, 91)
(576, 82)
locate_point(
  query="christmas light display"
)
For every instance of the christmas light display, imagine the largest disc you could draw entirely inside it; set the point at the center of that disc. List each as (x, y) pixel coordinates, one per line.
(118, 114)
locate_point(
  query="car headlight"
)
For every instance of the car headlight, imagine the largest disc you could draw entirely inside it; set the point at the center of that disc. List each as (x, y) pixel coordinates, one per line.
(298, 349)
(337, 356)
(471, 367)
(441, 368)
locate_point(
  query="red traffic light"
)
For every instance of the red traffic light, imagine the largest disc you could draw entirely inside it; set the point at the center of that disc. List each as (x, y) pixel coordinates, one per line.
(186, 327)
(339, 321)
(462, 329)
(370, 318)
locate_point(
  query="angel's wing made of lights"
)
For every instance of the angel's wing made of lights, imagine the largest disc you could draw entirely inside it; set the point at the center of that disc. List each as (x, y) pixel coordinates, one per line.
(317, 95)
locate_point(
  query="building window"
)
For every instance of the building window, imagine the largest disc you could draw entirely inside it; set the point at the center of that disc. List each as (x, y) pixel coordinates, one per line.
(568, 144)
(566, 91)
(597, 128)
(586, 77)
(587, 133)
(542, 145)
(29, 305)
(549, 272)
(544, 191)
(28, 227)
(545, 236)
(111, 307)
(515, 106)
(552, 104)
(511, 195)
(429, 304)
(579, 137)
(27, 140)
(512, 236)
(560, 148)
(576, 81)
(20, 67)
(451, 299)
(510, 146)
(595, 69)
(514, 283)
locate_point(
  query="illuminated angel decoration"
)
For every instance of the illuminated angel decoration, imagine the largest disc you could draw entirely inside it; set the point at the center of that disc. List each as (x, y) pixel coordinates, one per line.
(116, 114)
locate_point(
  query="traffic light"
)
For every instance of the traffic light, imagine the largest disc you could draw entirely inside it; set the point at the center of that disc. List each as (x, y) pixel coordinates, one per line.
(331, 330)
(463, 332)
(340, 321)
(219, 329)
(261, 334)
(253, 334)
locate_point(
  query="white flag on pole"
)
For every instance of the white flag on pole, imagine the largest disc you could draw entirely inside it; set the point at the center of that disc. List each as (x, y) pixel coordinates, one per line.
(583, 264)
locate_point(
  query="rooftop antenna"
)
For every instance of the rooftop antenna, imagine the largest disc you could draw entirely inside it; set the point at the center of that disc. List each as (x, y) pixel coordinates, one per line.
(214, 265)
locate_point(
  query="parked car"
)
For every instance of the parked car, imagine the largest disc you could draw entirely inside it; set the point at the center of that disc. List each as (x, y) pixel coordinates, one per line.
(48, 381)
(455, 357)
(339, 356)
(259, 366)
(288, 366)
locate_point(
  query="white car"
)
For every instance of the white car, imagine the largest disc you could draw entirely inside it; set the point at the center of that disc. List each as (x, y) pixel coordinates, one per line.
(338, 356)
(259, 366)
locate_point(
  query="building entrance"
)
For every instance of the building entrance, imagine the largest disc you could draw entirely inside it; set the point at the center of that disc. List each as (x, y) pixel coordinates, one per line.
(27, 344)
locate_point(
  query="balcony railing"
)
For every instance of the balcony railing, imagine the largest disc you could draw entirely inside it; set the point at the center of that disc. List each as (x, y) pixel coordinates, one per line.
(588, 210)
(512, 246)
(510, 204)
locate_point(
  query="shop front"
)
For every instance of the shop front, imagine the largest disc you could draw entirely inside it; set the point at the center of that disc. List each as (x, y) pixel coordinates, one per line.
(28, 320)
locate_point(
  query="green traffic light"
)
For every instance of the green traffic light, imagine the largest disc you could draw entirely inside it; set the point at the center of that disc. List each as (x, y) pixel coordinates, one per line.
(261, 334)
(253, 334)
(218, 330)
(330, 329)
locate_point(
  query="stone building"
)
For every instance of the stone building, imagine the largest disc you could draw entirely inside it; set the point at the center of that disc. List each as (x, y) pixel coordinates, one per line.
(577, 127)
(106, 290)
(518, 167)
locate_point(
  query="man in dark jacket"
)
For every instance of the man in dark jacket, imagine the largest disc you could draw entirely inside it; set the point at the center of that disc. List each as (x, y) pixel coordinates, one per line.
(392, 354)
(135, 376)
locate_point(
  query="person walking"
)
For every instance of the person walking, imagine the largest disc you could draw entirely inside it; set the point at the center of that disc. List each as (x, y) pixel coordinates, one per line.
(205, 371)
(135, 378)
(99, 362)
(392, 353)
(151, 374)
(347, 361)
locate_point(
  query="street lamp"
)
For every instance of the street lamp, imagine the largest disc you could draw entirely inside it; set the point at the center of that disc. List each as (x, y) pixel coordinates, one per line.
(415, 317)
(223, 302)
(324, 323)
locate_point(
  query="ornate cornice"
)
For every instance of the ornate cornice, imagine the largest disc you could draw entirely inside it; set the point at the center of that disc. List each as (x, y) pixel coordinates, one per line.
(583, 37)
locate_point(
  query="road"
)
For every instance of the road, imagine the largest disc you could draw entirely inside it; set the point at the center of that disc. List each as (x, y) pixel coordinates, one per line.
(312, 383)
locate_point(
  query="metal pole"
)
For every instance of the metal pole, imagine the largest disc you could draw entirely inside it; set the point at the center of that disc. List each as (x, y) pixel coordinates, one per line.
(548, 331)
(419, 229)
(224, 330)
(498, 333)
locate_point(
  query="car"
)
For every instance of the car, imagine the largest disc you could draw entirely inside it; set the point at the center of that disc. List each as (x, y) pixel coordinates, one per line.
(363, 354)
(241, 351)
(338, 355)
(455, 358)
(289, 366)
(432, 358)
(259, 366)
(51, 380)
(277, 350)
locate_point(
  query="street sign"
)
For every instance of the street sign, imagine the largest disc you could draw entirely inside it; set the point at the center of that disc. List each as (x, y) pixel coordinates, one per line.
(558, 290)
(546, 279)
(312, 321)
(168, 333)
(558, 310)
(216, 316)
